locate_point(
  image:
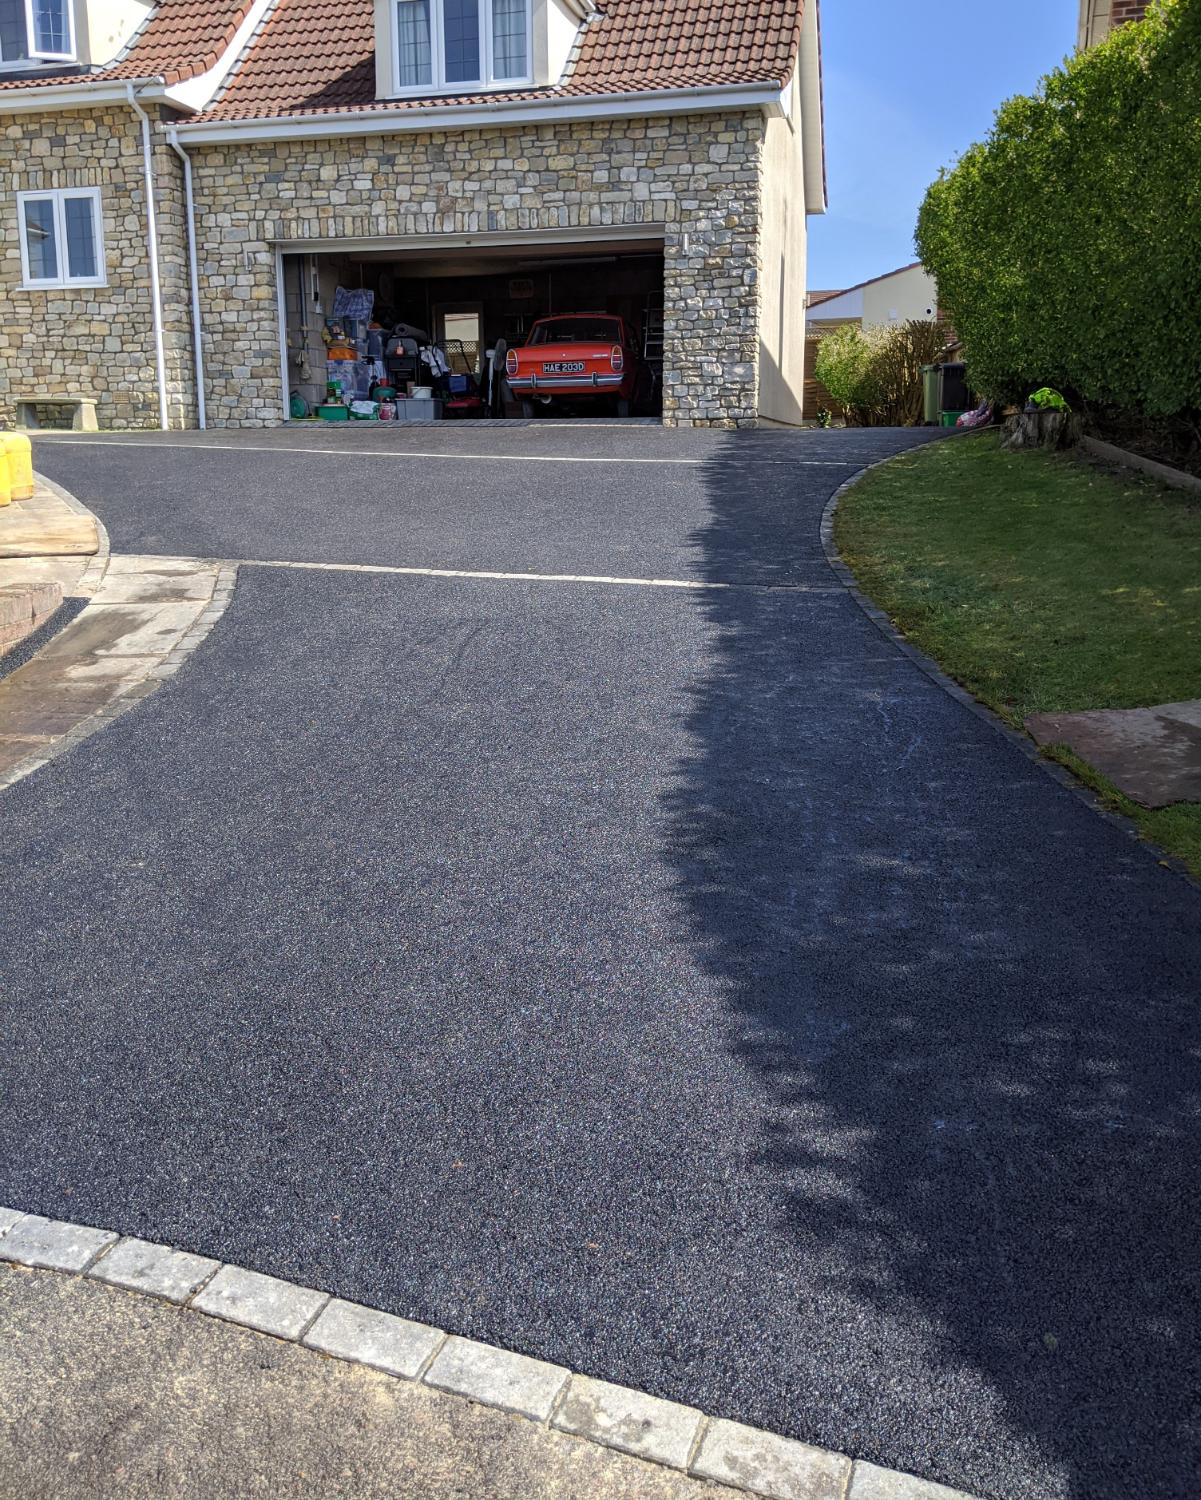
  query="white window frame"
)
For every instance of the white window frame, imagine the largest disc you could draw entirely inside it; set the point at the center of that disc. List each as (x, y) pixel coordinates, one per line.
(36, 58)
(438, 82)
(58, 196)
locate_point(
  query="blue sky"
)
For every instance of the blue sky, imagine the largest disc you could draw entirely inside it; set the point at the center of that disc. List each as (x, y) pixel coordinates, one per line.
(909, 84)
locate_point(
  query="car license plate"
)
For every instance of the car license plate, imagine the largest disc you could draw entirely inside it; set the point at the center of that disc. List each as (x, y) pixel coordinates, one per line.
(563, 367)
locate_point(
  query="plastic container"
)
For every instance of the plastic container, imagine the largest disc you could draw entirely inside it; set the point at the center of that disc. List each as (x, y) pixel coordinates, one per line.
(387, 411)
(422, 393)
(5, 487)
(364, 411)
(931, 393)
(333, 412)
(414, 410)
(949, 418)
(19, 452)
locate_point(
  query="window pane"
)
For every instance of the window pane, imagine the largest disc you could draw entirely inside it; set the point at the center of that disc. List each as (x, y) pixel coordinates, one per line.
(461, 23)
(413, 42)
(508, 38)
(40, 248)
(81, 236)
(14, 46)
(50, 26)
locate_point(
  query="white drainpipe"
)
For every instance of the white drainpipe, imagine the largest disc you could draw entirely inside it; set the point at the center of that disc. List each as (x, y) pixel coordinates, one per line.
(156, 291)
(193, 273)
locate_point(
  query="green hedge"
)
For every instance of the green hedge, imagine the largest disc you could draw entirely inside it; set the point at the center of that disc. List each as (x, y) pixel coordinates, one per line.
(1067, 246)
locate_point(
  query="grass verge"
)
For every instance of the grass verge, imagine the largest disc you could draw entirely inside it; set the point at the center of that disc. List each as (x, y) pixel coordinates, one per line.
(1040, 583)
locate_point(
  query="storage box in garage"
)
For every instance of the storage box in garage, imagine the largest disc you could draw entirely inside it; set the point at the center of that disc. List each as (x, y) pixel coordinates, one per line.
(418, 411)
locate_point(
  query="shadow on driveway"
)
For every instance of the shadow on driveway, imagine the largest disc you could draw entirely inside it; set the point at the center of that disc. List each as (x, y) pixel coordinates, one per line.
(972, 1007)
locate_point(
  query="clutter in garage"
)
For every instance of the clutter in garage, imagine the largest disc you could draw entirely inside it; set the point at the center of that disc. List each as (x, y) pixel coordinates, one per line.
(381, 336)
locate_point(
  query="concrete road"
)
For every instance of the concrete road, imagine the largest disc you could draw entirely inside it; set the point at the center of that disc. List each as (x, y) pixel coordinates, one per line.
(112, 1396)
(672, 983)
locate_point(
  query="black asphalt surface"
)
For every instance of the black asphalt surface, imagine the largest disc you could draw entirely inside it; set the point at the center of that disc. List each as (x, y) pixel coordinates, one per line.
(678, 985)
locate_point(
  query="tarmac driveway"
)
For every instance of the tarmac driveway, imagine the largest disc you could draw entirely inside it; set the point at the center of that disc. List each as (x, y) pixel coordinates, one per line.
(671, 982)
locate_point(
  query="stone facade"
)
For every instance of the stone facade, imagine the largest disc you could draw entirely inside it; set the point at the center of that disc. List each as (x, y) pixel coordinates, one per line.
(96, 340)
(695, 179)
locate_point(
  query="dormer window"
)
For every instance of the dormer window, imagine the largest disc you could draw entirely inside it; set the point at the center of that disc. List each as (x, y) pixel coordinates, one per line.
(444, 44)
(33, 31)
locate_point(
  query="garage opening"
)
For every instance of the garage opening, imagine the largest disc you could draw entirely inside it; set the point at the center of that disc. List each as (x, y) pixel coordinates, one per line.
(381, 331)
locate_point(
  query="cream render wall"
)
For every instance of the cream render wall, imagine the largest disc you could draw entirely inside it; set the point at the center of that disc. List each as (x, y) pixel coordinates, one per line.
(694, 179)
(95, 340)
(895, 299)
(783, 259)
(911, 293)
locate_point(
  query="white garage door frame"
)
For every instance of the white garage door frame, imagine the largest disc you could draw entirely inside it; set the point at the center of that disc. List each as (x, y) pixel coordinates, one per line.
(517, 239)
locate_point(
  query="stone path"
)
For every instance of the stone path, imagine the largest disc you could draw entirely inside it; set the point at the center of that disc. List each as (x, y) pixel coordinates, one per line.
(146, 616)
(1151, 754)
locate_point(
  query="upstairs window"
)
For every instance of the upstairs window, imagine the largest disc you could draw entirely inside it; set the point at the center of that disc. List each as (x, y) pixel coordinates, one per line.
(33, 31)
(61, 242)
(452, 43)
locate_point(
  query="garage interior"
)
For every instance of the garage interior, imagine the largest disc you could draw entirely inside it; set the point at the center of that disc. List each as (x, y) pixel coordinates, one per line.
(465, 299)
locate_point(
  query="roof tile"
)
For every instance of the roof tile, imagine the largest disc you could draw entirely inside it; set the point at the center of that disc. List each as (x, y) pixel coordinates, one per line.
(318, 56)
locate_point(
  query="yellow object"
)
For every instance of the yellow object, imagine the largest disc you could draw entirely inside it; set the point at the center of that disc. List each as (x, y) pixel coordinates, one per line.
(19, 452)
(5, 490)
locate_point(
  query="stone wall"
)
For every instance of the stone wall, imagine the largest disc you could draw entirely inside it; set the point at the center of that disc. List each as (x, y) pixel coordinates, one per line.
(95, 340)
(695, 178)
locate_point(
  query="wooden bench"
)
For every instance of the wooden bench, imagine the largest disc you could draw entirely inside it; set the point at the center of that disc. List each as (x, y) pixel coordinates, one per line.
(83, 414)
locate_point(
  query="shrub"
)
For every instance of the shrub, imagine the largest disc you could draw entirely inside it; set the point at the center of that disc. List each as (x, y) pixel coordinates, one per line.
(876, 373)
(1067, 246)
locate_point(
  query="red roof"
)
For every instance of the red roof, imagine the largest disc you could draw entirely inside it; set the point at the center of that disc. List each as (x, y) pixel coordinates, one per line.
(318, 56)
(179, 40)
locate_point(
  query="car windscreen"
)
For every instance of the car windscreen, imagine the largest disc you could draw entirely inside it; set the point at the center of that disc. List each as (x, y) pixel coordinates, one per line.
(577, 331)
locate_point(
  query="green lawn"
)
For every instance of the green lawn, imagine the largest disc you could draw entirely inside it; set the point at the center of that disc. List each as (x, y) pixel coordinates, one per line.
(1040, 583)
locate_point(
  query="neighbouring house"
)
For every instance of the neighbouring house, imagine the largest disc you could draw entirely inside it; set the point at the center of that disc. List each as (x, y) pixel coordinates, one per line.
(895, 297)
(187, 183)
(1099, 17)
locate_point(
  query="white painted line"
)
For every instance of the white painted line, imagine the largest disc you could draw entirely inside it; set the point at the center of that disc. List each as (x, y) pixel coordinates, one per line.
(406, 453)
(698, 585)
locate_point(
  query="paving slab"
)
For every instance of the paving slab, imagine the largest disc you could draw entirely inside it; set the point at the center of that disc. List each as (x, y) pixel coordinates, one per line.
(630, 1420)
(871, 1483)
(374, 1338)
(124, 629)
(497, 1377)
(1153, 755)
(769, 1465)
(60, 1246)
(15, 748)
(158, 1270)
(261, 1302)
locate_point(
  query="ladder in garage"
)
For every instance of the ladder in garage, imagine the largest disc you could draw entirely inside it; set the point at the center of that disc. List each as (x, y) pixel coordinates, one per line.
(652, 329)
(652, 340)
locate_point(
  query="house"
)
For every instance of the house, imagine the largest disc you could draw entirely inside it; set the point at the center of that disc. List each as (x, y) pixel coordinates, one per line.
(895, 297)
(1099, 17)
(187, 183)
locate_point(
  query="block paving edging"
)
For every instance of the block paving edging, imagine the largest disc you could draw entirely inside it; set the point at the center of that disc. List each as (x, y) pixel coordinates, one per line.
(89, 584)
(660, 1432)
(927, 665)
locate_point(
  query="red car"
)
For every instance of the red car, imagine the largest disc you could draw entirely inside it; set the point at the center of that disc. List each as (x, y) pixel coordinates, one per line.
(575, 355)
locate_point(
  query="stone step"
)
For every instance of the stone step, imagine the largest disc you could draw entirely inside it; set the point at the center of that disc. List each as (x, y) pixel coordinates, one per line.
(23, 607)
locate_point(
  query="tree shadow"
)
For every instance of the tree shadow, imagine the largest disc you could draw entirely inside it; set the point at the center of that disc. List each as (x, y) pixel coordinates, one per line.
(971, 1006)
